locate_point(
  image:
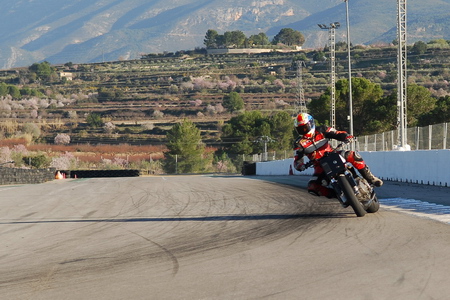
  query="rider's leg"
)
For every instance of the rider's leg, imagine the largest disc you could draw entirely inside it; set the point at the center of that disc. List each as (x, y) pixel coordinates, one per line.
(356, 160)
(316, 187)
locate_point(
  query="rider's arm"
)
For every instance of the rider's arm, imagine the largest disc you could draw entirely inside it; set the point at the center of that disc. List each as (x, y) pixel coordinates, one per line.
(332, 133)
(298, 158)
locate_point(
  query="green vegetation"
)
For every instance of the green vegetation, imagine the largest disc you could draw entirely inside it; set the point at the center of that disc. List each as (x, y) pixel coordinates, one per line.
(233, 102)
(230, 102)
(38, 161)
(243, 132)
(186, 150)
(237, 39)
(289, 37)
(94, 120)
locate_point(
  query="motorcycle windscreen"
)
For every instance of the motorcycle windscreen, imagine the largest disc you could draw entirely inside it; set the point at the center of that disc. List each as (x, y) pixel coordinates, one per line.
(332, 164)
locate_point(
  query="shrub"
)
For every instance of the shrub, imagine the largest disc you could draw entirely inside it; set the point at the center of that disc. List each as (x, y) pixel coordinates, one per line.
(37, 161)
(62, 139)
(94, 120)
(109, 127)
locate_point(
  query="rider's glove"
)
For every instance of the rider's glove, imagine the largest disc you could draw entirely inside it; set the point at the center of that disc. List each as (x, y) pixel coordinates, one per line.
(349, 139)
(300, 167)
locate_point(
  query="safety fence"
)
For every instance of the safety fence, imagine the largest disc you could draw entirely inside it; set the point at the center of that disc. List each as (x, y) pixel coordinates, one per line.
(432, 137)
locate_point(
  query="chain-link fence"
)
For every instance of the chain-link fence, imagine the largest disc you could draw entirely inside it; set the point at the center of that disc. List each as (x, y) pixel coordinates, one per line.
(268, 156)
(432, 137)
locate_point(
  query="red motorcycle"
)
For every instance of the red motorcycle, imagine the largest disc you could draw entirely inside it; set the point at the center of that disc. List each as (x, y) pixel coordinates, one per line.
(350, 187)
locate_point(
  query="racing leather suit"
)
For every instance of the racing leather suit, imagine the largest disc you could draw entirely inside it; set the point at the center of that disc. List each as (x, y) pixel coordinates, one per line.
(315, 148)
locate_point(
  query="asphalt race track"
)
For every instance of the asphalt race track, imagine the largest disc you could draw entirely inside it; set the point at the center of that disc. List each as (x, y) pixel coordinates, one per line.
(212, 237)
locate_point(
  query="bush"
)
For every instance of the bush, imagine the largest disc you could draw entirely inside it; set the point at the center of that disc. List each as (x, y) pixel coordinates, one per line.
(37, 161)
(94, 120)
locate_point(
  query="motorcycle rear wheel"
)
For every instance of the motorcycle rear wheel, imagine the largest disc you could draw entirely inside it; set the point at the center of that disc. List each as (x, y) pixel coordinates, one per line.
(350, 195)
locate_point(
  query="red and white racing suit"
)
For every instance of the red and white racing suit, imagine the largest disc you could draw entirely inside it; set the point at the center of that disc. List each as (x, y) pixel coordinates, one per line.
(315, 148)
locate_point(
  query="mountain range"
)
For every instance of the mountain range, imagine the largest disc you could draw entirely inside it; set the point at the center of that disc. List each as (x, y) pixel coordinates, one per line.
(82, 31)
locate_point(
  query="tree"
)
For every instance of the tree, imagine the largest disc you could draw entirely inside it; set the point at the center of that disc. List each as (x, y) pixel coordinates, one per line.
(14, 91)
(320, 108)
(186, 149)
(281, 130)
(440, 113)
(419, 47)
(259, 39)
(243, 132)
(94, 120)
(419, 102)
(235, 39)
(319, 56)
(109, 127)
(43, 70)
(365, 93)
(289, 37)
(62, 139)
(3, 89)
(32, 129)
(233, 102)
(210, 40)
(383, 114)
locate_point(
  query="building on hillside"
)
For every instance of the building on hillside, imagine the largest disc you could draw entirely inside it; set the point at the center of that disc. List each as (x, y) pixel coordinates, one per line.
(250, 50)
(67, 75)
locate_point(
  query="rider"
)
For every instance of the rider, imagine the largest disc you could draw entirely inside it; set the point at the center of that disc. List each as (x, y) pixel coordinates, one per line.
(313, 143)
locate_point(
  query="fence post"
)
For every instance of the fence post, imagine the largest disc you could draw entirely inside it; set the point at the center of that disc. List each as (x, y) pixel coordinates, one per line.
(375, 143)
(392, 140)
(430, 133)
(417, 137)
(445, 136)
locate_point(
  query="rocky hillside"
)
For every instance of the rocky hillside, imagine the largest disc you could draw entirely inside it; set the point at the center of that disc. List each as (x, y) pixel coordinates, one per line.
(82, 31)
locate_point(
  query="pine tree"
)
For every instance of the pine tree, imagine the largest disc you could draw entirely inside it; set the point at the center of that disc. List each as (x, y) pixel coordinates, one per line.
(186, 149)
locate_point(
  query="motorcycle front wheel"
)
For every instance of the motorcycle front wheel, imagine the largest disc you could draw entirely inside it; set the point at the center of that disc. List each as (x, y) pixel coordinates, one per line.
(350, 195)
(374, 206)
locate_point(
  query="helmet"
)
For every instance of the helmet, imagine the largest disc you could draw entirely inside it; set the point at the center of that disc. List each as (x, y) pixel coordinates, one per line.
(304, 124)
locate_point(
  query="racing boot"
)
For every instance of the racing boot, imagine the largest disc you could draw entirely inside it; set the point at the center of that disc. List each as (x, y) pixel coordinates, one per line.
(372, 179)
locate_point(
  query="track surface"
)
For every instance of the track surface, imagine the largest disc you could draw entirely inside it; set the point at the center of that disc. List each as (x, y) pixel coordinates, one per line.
(210, 237)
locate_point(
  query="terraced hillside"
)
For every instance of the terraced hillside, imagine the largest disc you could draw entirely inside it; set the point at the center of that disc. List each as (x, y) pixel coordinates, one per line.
(142, 98)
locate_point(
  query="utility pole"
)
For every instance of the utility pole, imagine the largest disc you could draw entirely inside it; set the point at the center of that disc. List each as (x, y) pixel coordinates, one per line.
(402, 79)
(300, 104)
(350, 91)
(332, 43)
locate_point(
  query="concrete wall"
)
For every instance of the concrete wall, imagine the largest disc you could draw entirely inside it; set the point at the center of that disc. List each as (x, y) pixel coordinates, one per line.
(422, 166)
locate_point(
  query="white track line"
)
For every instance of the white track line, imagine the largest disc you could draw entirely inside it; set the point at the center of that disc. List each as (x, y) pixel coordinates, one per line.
(418, 208)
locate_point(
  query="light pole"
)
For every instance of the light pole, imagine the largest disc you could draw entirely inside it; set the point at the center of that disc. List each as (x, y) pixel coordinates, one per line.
(350, 98)
(402, 79)
(264, 139)
(332, 37)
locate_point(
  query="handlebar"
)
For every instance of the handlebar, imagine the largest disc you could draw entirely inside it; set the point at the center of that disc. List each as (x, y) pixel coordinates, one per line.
(310, 163)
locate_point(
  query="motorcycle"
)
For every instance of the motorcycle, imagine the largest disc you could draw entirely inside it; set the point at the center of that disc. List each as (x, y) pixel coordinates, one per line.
(350, 187)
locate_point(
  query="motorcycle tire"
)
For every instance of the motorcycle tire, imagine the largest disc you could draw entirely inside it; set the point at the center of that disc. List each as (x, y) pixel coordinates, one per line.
(350, 196)
(374, 206)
